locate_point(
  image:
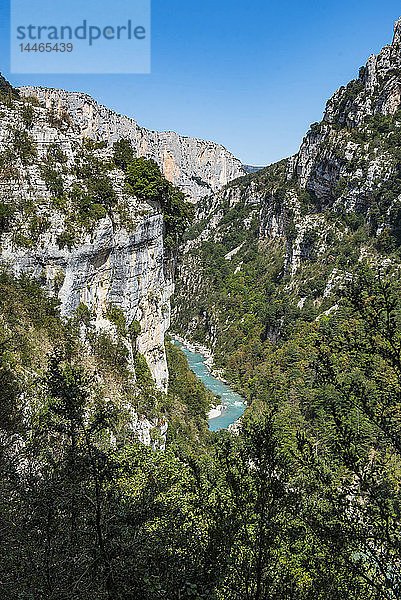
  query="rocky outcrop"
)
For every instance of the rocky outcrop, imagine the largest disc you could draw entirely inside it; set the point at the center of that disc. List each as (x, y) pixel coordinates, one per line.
(341, 160)
(108, 267)
(110, 261)
(196, 166)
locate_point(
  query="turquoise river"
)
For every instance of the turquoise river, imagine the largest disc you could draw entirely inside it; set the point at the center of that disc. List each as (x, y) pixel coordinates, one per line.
(234, 403)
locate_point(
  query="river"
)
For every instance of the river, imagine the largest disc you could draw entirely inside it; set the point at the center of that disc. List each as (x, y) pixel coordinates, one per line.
(235, 404)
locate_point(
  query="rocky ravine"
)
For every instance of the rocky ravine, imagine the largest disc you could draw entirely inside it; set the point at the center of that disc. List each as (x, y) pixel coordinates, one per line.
(197, 167)
(113, 262)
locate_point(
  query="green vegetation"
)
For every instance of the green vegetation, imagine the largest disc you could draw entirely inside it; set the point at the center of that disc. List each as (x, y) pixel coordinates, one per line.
(90, 198)
(82, 509)
(23, 145)
(123, 153)
(83, 314)
(145, 181)
(95, 196)
(134, 329)
(350, 93)
(142, 371)
(7, 92)
(310, 335)
(6, 215)
(303, 505)
(28, 115)
(32, 100)
(116, 316)
(53, 178)
(322, 439)
(187, 388)
(84, 186)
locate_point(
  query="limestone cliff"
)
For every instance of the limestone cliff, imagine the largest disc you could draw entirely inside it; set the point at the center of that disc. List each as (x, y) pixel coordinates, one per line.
(67, 219)
(196, 166)
(349, 154)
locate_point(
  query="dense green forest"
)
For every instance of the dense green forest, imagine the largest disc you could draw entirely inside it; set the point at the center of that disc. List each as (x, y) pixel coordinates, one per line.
(304, 504)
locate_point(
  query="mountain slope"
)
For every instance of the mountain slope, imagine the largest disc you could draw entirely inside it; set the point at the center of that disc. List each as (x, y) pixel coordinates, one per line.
(272, 249)
(69, 221)
(198, 167)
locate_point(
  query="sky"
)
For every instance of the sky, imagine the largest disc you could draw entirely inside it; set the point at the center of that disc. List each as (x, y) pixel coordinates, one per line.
(249, 75)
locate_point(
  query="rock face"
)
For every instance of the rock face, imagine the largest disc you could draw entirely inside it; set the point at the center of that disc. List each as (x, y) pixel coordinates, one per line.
(339, 150)
(113, 262)
(109, 267)
(195, 316)
(349, 163)
(196, 166)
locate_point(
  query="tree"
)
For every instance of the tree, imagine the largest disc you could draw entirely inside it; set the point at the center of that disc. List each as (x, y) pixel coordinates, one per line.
(352, 486)
(258, 513)
(145, 181)
(61, 509)
(123, 153)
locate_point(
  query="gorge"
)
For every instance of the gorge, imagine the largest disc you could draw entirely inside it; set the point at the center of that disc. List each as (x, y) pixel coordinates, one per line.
(111, 236)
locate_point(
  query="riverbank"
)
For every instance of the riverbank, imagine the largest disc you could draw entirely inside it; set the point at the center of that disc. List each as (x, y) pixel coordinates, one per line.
(230, 406)
(215, 412)
(206, 352)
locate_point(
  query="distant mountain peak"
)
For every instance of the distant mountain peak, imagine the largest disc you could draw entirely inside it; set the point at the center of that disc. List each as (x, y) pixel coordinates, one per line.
(251, 169)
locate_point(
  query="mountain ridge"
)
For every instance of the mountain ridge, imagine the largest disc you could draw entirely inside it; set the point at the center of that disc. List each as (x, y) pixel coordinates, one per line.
(197, 166)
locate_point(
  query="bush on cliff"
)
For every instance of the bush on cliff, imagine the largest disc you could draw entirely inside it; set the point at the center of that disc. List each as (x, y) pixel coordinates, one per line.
(145, 180)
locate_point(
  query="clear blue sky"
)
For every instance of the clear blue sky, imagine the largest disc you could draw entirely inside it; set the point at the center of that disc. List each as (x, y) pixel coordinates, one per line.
(250, 75)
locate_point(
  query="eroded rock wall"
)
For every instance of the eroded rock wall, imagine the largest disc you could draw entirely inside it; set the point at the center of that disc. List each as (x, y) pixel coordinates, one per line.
(198, 167)
(112, 264)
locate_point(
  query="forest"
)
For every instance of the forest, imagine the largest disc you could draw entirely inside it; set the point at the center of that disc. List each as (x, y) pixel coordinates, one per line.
(305, 503)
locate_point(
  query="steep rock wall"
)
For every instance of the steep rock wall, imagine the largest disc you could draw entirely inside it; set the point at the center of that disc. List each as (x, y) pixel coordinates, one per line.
(118, 263)
(196, 166)
(342, 149)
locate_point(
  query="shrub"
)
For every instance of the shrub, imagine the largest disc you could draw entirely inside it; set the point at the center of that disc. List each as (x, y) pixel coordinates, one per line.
(116, 316)
(142, 371)
(145, 181)
(33, 100)
(27, 116)
(67, 238)
(37, 226)
(54, 153)
(83, 314)
(102, 192)
(123, 153)
(134, 329)
(6, 215)
(24, 146)
(53, 179)
(114, 355)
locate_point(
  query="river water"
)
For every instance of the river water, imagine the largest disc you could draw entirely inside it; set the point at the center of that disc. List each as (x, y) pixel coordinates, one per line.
(235, 404)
